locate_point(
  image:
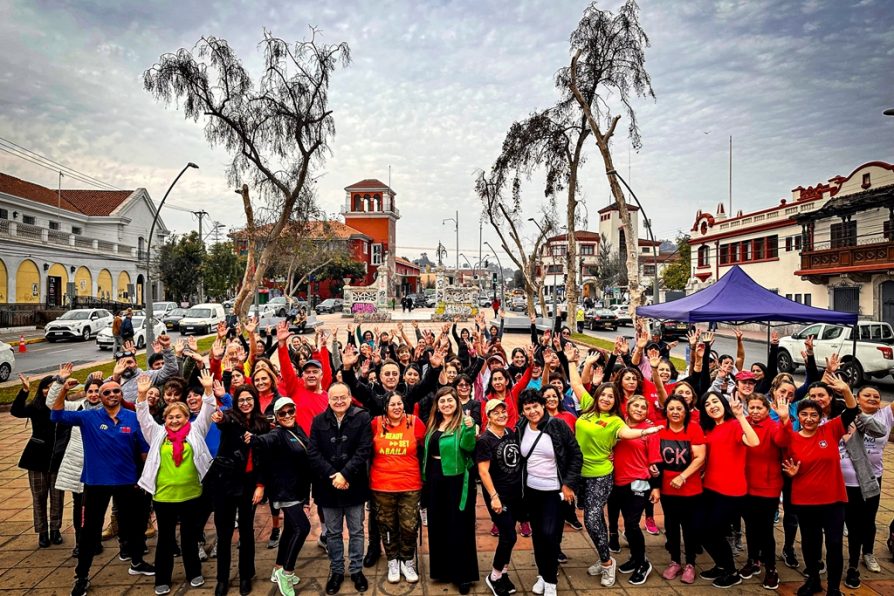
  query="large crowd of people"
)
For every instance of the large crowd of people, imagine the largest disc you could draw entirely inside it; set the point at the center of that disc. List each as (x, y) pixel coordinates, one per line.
(386, 431)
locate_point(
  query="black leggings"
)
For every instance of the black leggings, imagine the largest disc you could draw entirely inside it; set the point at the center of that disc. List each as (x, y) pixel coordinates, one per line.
(815, 522)
(505, 522)
(859, 515)
(546, 530)
(790, 515)
(296, 528)
(167, 515)
(225, 508)
(759, 513)
(631, 505)
(680, 516)
(596, 493)
(719, 513)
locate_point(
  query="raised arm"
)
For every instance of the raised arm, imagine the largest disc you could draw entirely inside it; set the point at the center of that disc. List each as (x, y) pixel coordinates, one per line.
(148, 426)
(740, 351)
(749, 437)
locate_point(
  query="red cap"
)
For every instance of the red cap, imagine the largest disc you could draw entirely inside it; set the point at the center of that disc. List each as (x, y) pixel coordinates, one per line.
(745, 375)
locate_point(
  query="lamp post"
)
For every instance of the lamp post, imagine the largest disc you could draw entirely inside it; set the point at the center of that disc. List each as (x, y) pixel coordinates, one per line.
(502, 281)
(472, 267)
(150, 335)
(455, 221)
(651, 236)
(889, 112)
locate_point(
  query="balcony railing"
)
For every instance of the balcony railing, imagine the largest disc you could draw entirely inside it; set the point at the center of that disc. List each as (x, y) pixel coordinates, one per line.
(32, 233)
(879, 255)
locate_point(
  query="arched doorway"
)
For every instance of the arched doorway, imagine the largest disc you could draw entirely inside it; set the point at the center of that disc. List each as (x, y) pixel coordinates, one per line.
(28, 283)
(139, 296)
(57, 282)
(104, 285)
(123, 281)
(4, 283)
(83, 282)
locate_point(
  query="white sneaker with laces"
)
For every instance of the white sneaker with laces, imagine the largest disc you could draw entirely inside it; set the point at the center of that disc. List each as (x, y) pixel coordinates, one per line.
(549, 589)
(393, 571)
(871, 563)
(539, 586)
(408, 568)
(608, 574)
(203, 556)
(595, 569)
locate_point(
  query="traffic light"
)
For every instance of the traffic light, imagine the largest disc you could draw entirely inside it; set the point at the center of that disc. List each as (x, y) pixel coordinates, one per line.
(494, 278)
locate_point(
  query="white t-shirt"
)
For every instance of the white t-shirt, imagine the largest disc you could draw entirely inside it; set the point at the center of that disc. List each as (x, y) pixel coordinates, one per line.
(874, 449)
(543, 474)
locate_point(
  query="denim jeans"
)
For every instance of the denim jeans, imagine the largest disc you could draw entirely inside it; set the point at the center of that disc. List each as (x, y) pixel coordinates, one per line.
(334, 527)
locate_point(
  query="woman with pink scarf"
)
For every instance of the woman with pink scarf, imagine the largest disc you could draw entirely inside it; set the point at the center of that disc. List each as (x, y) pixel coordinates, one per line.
(177, 460)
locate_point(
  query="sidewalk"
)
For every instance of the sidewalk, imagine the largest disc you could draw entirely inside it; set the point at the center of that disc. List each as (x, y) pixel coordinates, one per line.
(11, 335)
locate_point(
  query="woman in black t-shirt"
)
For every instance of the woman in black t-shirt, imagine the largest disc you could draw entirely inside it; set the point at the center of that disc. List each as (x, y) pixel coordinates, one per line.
(499, 466)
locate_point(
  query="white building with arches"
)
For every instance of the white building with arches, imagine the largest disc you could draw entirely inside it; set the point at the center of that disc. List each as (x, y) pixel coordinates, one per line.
(93, 239)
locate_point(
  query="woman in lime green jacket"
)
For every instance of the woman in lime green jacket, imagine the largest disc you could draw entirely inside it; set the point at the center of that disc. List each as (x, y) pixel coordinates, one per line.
(449, 450)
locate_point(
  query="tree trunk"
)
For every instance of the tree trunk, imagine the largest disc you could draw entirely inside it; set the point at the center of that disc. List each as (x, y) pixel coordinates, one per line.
(571, 263)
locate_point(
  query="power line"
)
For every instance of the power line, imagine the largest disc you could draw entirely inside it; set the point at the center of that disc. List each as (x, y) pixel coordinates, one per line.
(45, 162)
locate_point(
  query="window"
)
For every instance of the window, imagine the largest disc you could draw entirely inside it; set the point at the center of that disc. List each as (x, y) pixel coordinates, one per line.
(559, 250)
(772, 247)
(798, 242)
(587, 250)
(759, 249)
(867, 181)
(808, 300)
(788, 244)
(887, 227)
(788, 296)
(365, 248)
(54, 225)
(76, 230)
(832, 332)
(746, 251)
(649, 270)
(376, 254)
(28, 219)
(844, 234)
(704, 255)
(734, 252)
(554, 269)
(798, 298)
(4, 214)
(724, 254)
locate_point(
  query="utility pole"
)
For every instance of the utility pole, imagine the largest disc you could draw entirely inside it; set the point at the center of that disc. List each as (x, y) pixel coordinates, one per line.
(201, 215)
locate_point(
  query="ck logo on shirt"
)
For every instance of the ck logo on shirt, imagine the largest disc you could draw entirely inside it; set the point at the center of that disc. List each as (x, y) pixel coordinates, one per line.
(823, 444)
(103, 427)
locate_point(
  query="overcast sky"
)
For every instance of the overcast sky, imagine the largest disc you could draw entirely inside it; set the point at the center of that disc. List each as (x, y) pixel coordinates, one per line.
(434, 85)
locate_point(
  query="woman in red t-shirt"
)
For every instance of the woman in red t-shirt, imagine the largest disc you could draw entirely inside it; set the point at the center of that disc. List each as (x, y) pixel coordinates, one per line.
(682, 450)
(818, 492)
(763, 470)
(727, 435)
(396, 483)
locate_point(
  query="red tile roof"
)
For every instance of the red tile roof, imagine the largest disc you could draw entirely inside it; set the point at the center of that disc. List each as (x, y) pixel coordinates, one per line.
(369, 184)
(318, 229)
(87, 202)
(406, 263)
(578, 235)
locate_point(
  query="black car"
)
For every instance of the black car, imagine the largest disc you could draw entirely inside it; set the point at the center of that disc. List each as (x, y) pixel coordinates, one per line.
(329, 305)
(172, 319)
(674, 329)
(601, 318)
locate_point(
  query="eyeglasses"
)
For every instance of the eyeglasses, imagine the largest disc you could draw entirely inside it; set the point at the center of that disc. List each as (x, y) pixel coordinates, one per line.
(121, 355)
(338, 398)
(245, 400)
(286, 413)
(111, 392)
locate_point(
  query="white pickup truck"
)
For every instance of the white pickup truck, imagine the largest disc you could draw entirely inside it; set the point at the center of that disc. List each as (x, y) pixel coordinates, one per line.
(874, 356)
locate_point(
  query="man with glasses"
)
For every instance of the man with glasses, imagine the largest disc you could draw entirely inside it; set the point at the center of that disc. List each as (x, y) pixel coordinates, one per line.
(126, 370)
(112, 445)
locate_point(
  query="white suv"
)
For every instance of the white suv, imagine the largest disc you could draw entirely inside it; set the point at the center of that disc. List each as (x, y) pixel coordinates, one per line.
(81, 323)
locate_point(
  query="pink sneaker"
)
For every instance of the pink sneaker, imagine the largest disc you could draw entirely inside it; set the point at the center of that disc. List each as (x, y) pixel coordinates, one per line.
(672, 571)
(688, 575)
(525, 529)
(494, 531)
(652, 527)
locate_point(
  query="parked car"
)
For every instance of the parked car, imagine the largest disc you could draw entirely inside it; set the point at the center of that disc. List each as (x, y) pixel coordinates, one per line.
(874, 356)
(279, 306)
(518, 303)
(418, 300)
(623, 314)
(329, 305)
(262, 311)
(600, 318)
(7, 361)
(484, 300)
(81, 323)
(105, 341)
(431, 300)
(172, 319)
(159, 309)
(673, 329)
(202, 318)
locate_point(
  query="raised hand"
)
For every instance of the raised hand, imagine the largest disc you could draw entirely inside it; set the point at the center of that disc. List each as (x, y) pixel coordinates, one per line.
(692, 336)
(708, 338)
(832, 363)
(156, 345)
(128, 346)
(217, 348)
(251, 325)
(193, 343)
(654, 357)
(282, 332)
(790, 467)
(837, 384)
(96, 374)
(808, 344)
(780, 406)
(349, 356)
(206, 380)
(218, 389)
(221, 330)
(164, 340)
(144, 383)
(26, 382)
(179, 346)
(739, 334)
(736, 406)
(65, 370)
(774, 338)
(571, 353)
(622, 346)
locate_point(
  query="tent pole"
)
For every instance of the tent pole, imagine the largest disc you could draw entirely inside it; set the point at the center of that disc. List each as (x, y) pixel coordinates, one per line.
(768, 343)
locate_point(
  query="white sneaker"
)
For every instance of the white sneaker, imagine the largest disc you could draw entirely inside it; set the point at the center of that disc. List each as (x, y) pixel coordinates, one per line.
(549, 589)
(539, 586)
(393, 571)
(197, 581)
(203, 556)
(595, 569)
(273, 575)
(408, 568)
(871, 563)
(423, 513)
(608, 574)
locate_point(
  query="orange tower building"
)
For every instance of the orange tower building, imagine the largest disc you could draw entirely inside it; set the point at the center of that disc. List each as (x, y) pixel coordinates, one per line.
(371, 209)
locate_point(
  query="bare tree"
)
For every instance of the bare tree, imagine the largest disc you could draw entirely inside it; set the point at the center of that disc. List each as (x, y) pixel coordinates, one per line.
(609, 63)
(278, 131)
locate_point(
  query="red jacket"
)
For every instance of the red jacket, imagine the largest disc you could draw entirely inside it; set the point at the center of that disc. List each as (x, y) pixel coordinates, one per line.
(511, 401)
(763, 464)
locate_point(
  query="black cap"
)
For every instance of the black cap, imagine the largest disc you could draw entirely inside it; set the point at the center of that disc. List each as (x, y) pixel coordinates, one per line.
(310, 363)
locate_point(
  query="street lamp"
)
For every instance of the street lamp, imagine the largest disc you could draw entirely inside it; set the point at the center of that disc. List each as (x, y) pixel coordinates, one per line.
(651, 236)
(466, 259)
(150, 335)
(502, 281)
(455, 221)
(889, 112)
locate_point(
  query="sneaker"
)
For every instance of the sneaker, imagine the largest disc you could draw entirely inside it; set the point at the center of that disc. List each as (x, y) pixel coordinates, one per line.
(671, 571)
(629, 566)
(408, 568)
(423, 513)
(822, 569)
(614, 542)
(852, 578)
(750, 569)
(771, 580)
(595, 569)
(575, 524)
(641, 574)
(525, 529)
(813, 585)
(141, 568)
(727, 580)
(712, 573)
(274, 538)
(123, 556)
(790, 558)
(495, 585)
(80, 587)
(871, 563)
(540, 585)
(549, 589)
(494, 530)
(507, 583)
(286, 582)
(652, 527)
(213, 553)
(562, 558)
(203, 556)
(163, 589)
(197, 581)
(776, 517)
(393, 571)
(608, 574)
(688, 576)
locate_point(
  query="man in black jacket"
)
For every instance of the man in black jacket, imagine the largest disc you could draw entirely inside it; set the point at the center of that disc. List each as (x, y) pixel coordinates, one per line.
(340, 449)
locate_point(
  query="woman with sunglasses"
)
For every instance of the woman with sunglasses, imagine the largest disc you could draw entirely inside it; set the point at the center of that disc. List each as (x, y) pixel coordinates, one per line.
(235, 484)
(396, 483)
(287, 484)
(177, 461)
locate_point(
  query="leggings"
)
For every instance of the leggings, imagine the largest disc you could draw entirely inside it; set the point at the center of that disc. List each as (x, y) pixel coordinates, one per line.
(790, 515)
(167, 514)
(596, 493)
(546, 530)
(225, 510)
(680, 516)
(759, 513)
(859, 515)
(505, 522)
(719, 513)
(296, 528)
(815, 522)
(631, 505)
